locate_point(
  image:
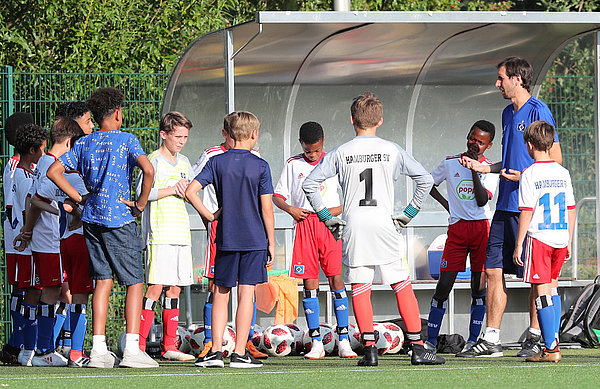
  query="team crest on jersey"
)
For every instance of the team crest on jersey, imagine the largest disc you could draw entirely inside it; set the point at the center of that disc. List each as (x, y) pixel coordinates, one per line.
(183, 175)
(464, 190)
(299, 269)
(444, 264)
(521, 126)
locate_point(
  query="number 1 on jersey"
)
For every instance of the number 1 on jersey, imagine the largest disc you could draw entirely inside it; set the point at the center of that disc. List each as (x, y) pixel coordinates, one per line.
(367, 177)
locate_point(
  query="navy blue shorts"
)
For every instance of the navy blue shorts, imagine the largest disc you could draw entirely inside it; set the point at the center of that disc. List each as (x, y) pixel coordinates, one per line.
(501, 243)
(240, 267)
(115, 251)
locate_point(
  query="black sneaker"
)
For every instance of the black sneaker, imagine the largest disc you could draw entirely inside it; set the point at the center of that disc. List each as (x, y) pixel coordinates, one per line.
(482, 349)
(530, 347)
(370, 357)
(212, 359)
(245, 361)
(421, 356)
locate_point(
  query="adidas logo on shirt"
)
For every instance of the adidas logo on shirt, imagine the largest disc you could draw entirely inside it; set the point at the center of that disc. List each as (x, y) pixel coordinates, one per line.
(300, 175)
(456, 174)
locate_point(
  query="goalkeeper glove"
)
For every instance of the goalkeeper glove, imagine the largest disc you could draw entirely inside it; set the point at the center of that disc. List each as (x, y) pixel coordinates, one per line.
(401, 220)
(334, 224)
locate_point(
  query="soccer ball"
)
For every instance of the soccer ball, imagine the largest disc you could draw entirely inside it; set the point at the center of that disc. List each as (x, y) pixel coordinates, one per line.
(387, 338)
(228, 341)
(257, 337)
(196, 341)
(327, 336)
(278, 340)
(182, 341)
(298, 346)
(355, 341)
(397, 337)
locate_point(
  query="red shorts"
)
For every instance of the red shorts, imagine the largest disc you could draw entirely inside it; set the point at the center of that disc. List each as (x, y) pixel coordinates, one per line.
(211, 250)
(542, 262)
(315, 244)
(464, 237)
(48, 268)
(26, 274)
(76, 262)
(11, 268)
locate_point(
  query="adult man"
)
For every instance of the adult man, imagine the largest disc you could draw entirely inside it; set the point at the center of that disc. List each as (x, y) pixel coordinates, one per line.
(514, 82)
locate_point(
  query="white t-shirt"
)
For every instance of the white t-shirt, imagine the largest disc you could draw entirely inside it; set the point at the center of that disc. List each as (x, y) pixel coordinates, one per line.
(294, 172)
(22, 181)
(367, 167)
(9, 218)
(46, 231)
(545, 188)
(459, 184)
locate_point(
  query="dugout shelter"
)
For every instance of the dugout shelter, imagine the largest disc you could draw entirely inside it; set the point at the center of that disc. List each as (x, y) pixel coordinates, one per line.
(433, 71)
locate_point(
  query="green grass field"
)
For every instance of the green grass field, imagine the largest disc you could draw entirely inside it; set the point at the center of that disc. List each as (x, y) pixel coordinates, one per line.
(578, 369)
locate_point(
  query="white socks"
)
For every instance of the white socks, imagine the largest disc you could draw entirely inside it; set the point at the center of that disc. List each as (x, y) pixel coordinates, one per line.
(132, 343)
(492, 335)
(99, 344)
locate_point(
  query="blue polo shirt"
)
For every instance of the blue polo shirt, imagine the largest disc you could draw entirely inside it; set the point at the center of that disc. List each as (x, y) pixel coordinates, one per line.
(514, 151)
(239, 178)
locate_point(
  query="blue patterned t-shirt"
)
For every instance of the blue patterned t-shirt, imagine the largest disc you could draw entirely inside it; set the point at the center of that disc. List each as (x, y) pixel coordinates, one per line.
(106, 160)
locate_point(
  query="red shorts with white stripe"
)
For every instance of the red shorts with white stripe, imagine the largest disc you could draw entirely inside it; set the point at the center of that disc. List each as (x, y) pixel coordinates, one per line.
(26, 274)
(543, 263)
(48, 268)
(211, 250)
(11, 268)
(464, 237)
(76, 262)
(314, 244)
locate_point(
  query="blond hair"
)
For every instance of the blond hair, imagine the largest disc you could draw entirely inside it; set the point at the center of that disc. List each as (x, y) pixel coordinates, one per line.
(240, 124)
(366, 110)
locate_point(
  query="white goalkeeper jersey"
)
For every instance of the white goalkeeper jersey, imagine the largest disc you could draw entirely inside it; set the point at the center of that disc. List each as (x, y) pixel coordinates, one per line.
(367, 167)
(459, 185)
(545, 189)
(294, 172)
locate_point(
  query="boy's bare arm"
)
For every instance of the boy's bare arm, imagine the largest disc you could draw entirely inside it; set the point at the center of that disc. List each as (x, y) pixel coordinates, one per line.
(524, 220)
(55, 174)
(336, 211)
(439, 198)
(556, 153)
(147, 180)
(191, 194)
(481, 195)
(269, 221)
(298, 214)
(44, 206)
(572, 215)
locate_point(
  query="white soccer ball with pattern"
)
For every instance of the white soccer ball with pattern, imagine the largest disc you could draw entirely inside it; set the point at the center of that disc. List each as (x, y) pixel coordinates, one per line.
(397, 337)
(182, 341)
(196, 341)
(387, 339)
(278, 340)
(354, 336)
(257, 337)
(228, 341)
(298, 333)
(328, 337)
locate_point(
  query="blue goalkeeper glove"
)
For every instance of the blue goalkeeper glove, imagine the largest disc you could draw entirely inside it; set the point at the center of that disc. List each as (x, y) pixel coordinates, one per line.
(334, 224)
(401, 220)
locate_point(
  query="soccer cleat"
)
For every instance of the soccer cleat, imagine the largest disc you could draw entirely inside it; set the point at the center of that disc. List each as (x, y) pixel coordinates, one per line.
(245, 361)
(469, 345)
(49, 359)
(370, 357)
(176, 355)
(530, 347)
(64, 351)
(103, 361)
(421, 356)
(482, 349)
(80, 362)
(316, 350)
(141, 360)
(345, 350)
(429, 346)
(10, 355)
(212, 359)
(206, 349)
(254, 351)
(25, 357)
(546, 356)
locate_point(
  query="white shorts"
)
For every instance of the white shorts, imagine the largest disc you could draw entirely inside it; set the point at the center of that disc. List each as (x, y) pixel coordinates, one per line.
(169, 265)
(391, 273)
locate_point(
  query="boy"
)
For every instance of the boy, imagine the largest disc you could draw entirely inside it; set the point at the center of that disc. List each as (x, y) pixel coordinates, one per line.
(106, 159)
(209, 198)
(30, 143)
(166, 232)
(43, 229)
(545, 195)
(371, 239)
(245, 233)
(78, 111)
(11, 349)
(468, 229)
(313, 243)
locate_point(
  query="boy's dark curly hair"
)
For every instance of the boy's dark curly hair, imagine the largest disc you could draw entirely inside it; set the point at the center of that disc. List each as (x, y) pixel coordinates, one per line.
(72, 109)
(13, 123)
(65, 128)
(104, 102)
(28, 136)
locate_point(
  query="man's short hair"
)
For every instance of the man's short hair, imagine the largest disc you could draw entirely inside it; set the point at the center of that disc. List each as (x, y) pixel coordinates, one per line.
(65, 128)
(170, 120)
(311, 133)
(366, 110)
(484, 126)
(104, 102)
(517, 66)
(28, 136)
(240, 124)
(13, 123)
(72, 109)
(540, 134)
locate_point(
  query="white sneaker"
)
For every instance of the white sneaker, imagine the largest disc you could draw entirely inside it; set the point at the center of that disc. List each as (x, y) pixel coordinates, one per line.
(345, 350)
(103, 361)
(141, 360)
(50, 358)
(64, 350)
(173, 355)
(316, 351)
(469, 345)
(25, 357)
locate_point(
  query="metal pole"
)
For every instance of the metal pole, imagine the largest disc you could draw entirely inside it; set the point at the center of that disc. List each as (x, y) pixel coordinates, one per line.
(229, 72)
(341, 5)
(187, 290)
(597, 97)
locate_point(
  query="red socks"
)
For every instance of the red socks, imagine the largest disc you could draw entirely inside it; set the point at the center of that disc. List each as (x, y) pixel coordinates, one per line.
(409, 310)
(148, 307)
(363, 310)
(170, 319)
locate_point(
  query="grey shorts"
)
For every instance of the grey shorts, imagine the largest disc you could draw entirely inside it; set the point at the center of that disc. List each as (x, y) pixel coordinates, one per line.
(115, 251)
